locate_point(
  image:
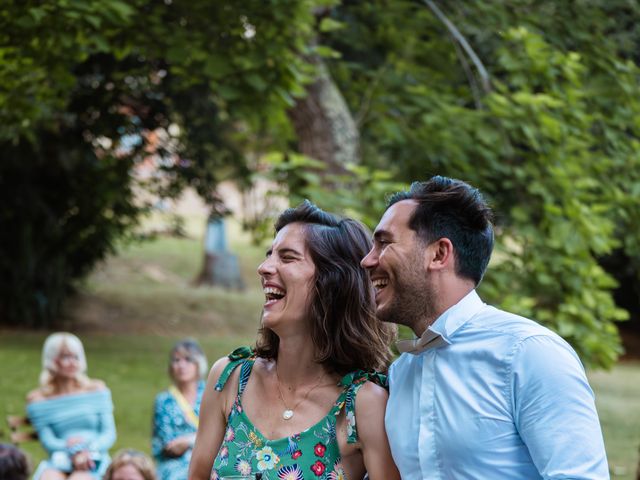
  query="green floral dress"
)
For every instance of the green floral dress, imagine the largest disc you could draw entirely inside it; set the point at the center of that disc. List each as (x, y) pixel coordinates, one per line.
(311, 454)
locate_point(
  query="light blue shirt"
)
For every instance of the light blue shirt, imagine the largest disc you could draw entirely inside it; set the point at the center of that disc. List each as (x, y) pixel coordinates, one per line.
(498, 396)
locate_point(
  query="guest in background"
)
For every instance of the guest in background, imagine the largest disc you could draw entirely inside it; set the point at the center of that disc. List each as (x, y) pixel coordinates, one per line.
(13, 463)
(130, 465)
(72, 413)
(177, 410)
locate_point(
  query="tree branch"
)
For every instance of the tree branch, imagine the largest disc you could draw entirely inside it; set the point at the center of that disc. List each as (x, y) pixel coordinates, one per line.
(484, 76)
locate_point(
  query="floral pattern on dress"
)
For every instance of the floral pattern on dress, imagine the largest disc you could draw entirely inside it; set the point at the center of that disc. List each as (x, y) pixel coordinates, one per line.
(337, 473)
(243, 467)
(224, 455)
(311, 454)
(169, 423)
(351, 422)
(290, 472)
(318, 468)
(267, 459)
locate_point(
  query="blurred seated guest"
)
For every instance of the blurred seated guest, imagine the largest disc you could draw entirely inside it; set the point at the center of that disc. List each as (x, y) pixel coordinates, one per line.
(130, 465)
(13, 463)
(177, 410)
(72, 413)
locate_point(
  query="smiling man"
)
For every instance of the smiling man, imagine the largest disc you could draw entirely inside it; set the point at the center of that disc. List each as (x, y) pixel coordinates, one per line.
(480, 393)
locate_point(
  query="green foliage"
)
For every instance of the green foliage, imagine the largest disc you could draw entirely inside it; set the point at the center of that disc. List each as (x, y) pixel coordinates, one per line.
(553, 145)
(90, 90)
(87, 87)
(61, 211)
(300, 177)
(40, 45)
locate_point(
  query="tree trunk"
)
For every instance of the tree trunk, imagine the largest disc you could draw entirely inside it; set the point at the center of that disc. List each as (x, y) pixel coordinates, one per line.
(219, 267)
(324, 125)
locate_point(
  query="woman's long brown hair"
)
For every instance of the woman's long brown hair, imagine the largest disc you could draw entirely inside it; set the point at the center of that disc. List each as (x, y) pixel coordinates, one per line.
(344, 329)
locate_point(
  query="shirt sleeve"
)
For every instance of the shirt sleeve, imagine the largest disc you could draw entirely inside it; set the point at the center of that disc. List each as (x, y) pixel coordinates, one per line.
(50, 441)
(555, 411)
(163, 430)
(106, 434)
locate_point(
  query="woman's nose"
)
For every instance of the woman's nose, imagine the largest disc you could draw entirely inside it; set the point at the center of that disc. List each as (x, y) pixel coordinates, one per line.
(266, 267)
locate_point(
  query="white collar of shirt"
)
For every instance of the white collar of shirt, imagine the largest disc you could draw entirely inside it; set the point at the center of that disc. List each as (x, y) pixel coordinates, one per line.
(441, 331)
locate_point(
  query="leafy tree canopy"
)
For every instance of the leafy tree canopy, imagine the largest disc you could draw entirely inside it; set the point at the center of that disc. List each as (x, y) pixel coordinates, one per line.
(90, 89)
(551, 138)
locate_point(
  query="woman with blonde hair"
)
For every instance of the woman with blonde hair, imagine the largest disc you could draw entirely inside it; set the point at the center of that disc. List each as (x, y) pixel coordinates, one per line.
(130, 465)
(72, 413)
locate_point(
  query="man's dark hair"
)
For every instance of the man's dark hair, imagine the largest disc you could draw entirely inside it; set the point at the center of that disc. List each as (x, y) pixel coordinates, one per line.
(453, 209)
(345, 332)
(13, 463)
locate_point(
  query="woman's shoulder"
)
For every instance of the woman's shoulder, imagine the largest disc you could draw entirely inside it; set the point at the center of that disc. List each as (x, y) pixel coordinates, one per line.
(358, 378)
(369, 390)
(91, 386)
(372, 392)
(165, 402)
(220, 372)
(224, 368)
(96, 385)
(220, 364)
(35, 395)
(370, 403)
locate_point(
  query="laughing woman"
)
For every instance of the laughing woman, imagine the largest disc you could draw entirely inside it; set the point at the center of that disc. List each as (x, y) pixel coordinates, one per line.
(305, 403)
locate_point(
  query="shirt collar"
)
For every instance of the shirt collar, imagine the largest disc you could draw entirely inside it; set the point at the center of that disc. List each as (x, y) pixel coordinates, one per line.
(440, 332)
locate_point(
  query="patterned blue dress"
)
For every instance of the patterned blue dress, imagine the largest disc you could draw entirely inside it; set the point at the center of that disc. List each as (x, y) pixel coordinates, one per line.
(169, 422)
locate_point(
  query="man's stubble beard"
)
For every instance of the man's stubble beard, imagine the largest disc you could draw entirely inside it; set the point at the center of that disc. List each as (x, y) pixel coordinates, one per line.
(413, 297)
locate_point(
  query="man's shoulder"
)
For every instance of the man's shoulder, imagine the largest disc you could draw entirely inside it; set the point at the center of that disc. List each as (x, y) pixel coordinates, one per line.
(404, 362)
(502, 323)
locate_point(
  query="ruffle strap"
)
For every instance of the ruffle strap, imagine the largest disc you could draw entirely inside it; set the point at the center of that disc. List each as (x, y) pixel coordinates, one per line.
(237, 357)
(353, 382)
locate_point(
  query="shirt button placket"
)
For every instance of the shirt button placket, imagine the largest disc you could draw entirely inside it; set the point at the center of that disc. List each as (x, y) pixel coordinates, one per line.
(427, 440)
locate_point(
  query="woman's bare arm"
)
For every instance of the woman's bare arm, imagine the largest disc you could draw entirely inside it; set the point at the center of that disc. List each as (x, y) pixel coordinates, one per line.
(371, 402)
(213, 421)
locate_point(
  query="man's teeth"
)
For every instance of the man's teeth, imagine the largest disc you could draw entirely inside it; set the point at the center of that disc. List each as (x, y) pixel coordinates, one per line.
(380, 283)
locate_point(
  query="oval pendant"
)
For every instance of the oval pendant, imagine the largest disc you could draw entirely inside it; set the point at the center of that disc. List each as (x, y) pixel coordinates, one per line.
(287, 414)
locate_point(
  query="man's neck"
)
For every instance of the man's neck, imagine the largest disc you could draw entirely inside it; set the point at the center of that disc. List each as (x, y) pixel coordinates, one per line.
(454, 293)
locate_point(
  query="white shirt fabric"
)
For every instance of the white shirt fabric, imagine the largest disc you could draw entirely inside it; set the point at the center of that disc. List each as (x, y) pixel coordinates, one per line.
(498, 396)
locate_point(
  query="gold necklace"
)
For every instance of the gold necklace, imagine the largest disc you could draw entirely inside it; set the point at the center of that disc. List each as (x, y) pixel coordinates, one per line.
(287, 414)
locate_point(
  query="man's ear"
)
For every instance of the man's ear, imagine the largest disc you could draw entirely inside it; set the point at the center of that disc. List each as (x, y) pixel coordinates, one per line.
(439, 255)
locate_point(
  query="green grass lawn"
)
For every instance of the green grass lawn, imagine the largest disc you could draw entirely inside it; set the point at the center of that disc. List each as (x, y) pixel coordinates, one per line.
(134, 367)
(617, 398)
(137, 304)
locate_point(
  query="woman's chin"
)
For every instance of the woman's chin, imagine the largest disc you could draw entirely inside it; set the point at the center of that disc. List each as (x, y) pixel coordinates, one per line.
(267, 321)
